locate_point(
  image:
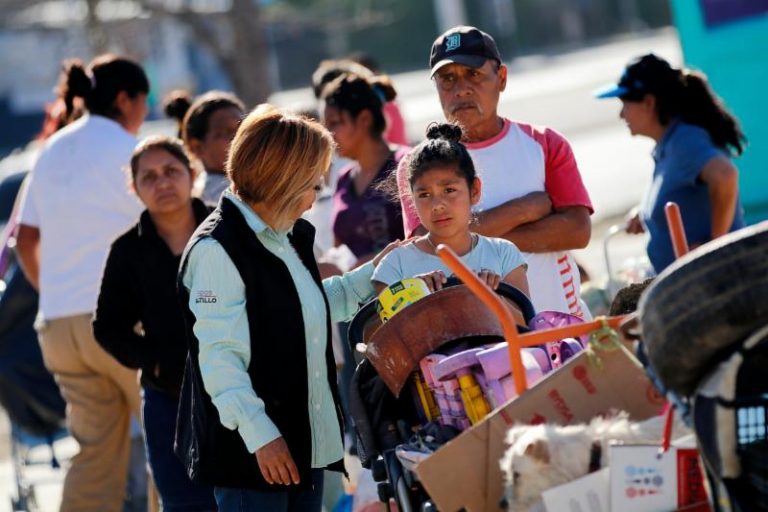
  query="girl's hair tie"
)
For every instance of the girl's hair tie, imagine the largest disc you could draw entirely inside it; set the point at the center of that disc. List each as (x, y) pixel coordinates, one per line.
(379, 93)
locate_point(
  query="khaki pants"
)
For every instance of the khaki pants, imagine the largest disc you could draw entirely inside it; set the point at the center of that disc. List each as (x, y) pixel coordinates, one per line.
(101, 395)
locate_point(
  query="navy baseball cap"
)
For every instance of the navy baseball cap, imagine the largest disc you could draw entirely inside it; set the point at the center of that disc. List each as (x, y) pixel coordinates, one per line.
(642, 76)
(463, 45)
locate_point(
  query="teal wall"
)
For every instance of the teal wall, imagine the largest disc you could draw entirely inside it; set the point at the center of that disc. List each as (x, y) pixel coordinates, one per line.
(734, 55)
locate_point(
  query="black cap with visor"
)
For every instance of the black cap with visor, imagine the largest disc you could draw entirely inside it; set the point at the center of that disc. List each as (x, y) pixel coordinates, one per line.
(645, 75)
(467, 46)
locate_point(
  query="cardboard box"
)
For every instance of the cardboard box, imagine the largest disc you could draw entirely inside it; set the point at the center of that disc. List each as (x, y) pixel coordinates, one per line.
(639, 479)
(643, 480)
(465, 473)
(586, 494)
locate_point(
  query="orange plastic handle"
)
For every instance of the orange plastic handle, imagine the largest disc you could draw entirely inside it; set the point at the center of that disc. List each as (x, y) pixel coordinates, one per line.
(676, 229)
(533, 338)
(680, 246)
(495, 303)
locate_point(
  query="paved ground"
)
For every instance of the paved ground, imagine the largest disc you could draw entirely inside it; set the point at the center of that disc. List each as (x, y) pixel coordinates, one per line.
(553, 90)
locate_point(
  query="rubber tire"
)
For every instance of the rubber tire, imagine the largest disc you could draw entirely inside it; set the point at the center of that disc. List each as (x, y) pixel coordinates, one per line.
(699, 308)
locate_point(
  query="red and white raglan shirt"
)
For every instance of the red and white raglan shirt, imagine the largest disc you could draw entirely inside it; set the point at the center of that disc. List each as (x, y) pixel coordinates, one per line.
(519, 160)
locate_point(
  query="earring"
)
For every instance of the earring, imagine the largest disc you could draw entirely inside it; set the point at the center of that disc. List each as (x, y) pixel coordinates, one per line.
(474, 216)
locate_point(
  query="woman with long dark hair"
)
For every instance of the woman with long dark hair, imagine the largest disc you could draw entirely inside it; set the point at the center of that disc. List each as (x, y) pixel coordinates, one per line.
(76, 203)
(696, 137)
(364, 217)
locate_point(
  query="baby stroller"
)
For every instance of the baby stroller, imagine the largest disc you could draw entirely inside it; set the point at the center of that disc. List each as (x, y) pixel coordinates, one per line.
(28, 392)
(446, 322)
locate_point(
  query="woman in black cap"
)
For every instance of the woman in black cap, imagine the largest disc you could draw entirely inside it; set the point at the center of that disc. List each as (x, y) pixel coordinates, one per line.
(695, 139)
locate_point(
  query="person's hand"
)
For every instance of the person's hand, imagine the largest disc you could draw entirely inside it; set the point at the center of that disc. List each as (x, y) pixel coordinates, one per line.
(276, 463)
(389, 248)
(633, 224)
(489, 278)
(435, 280)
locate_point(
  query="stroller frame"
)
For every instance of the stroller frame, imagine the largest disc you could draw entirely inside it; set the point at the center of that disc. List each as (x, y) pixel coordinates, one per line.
(394, 480)
(25, 498)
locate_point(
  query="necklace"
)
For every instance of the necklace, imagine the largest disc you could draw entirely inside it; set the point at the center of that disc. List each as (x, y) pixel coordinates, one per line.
(474, 236)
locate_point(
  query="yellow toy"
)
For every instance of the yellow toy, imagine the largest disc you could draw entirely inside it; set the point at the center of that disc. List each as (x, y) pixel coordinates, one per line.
(426, 399)
(399, 295)
(475, 403)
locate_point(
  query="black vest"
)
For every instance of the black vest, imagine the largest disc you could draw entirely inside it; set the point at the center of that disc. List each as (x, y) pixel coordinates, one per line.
(211, 453)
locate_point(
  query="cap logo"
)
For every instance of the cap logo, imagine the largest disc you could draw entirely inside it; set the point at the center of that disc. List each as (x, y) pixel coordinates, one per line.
(452, 42)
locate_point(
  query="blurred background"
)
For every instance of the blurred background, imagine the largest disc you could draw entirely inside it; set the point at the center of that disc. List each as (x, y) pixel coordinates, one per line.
(558, 53)
(257, 47)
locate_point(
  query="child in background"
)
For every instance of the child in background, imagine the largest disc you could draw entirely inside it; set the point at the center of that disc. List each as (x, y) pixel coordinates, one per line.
(207, 125)
(445, 186)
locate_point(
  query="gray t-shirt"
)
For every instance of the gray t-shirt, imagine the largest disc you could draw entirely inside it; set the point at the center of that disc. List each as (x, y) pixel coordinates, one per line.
(495, 254)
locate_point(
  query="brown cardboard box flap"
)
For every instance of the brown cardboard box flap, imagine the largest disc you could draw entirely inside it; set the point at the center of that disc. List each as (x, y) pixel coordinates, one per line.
(465, 473)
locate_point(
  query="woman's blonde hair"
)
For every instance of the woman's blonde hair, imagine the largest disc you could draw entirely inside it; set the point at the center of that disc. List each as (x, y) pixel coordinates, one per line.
(275, 157)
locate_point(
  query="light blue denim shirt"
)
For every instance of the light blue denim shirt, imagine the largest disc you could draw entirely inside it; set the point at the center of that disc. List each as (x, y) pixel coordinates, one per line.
(223, 332)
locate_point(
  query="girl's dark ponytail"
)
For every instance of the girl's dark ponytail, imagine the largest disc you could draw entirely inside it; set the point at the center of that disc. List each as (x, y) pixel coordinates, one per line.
(701, 107)
(100, 83)
(176, 105)
(73, 83)
(446, 131)
(353, 94)
(442, 148)
(382, 87)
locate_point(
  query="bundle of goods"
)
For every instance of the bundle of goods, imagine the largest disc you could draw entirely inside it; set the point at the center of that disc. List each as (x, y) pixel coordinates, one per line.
(434, 366)
(704, 334)
(460, 388)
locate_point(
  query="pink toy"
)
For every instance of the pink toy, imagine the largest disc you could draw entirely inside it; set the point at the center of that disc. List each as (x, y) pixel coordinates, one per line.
(569, 347)
(454, 413)
(506, 390)
(456, 365)
(551, 319)
(459, 368)
(426, 365)
(553, 352)
(496, 368)
(495, 360)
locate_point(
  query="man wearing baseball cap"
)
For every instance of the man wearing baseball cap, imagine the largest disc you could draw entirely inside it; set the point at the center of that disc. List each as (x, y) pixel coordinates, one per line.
(533, 194)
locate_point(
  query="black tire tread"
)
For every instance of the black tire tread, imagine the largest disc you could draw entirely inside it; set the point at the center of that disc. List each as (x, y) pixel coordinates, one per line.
(700, 307)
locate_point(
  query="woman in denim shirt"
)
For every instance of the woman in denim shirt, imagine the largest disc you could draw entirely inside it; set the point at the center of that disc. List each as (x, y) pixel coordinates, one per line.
(695, 139)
